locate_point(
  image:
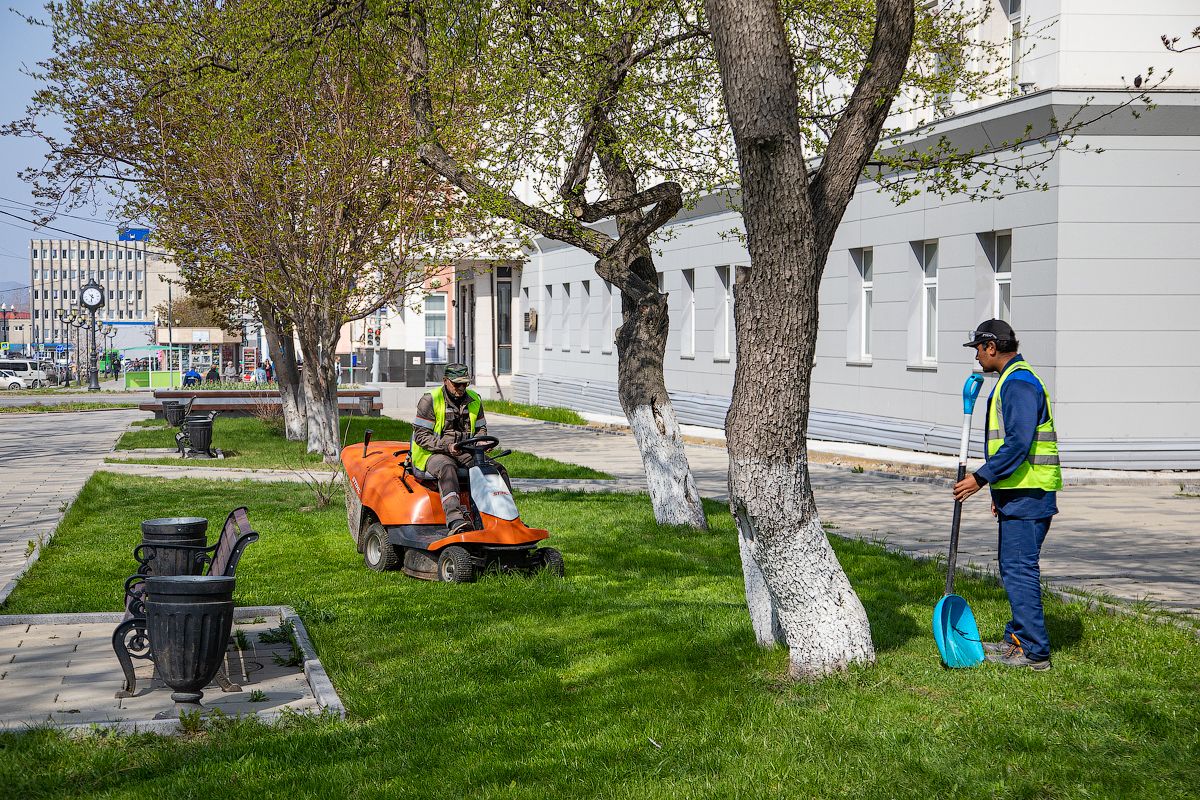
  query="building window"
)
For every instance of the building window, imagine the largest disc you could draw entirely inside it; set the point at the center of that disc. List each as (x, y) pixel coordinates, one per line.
(434, 312)
(687, 344)
(567, 316)
(35, 252)
(929, 304)
(585, 317)
(612, 307)
(504, 325)
(1014, 19)
(550, 309)
(1002, 265)
(861, 304)
(724, 315)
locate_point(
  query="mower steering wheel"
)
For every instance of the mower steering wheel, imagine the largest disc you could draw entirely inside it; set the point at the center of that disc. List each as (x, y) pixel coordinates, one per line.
(478, 444)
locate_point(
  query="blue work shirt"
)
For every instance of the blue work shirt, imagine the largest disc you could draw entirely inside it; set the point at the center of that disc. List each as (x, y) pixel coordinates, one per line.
(1024, 404)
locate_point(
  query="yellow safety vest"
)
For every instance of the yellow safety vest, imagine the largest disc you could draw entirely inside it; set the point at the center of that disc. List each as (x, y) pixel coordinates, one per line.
(420, 456)
(1041, 469)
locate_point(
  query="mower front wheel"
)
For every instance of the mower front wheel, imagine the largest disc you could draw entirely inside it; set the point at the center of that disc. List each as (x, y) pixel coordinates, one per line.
(378, 553)
(552, 561)
(454, 565)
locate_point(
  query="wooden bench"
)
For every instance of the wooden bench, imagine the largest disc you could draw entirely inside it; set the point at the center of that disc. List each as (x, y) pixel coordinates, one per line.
(130, 639)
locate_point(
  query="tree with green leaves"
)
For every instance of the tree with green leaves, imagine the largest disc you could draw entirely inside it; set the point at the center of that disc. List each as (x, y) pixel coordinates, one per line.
(581, 122)
(810, 90)
(281, 175)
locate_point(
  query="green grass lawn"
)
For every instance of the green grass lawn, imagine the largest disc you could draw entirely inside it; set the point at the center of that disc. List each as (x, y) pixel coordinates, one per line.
(636, 677)
(251, 443)
(547, 413)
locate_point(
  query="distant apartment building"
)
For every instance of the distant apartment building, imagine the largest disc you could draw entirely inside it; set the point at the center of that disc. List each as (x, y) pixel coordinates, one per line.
(129, 271)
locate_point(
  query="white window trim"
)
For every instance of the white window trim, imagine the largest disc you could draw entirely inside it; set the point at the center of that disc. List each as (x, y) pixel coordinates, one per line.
(567, 303)
(867, 299)
(929, 351)
(724, 321)
(687, 338)
(612, 307)
(585, 316)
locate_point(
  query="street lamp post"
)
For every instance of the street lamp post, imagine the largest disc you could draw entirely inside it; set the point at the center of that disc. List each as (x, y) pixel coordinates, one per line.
(5, 310)
(61, 315)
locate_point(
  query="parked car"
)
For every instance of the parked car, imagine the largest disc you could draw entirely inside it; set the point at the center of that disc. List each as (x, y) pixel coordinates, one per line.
(9, 380)
(29, 371)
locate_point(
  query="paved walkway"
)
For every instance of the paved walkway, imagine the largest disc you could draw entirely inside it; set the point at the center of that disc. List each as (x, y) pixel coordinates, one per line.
(44, 461)
(1132, 542)
(60, 670)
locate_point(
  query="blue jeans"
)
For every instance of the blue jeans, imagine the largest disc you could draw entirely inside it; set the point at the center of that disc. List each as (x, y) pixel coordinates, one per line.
(1020, 548)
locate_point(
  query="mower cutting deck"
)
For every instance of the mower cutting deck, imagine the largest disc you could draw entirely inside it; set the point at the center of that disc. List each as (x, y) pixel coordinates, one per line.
(396, 518)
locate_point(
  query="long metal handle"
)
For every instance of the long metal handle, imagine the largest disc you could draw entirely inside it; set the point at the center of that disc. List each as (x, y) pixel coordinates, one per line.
(962, 473)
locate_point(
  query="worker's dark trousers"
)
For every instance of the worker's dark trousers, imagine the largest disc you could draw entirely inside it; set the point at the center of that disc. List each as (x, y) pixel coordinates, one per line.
(444, 469)
(1020, 548)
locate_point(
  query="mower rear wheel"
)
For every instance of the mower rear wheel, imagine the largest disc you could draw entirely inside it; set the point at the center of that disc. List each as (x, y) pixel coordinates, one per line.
(454, 565)
(552, 561)
(378, 553)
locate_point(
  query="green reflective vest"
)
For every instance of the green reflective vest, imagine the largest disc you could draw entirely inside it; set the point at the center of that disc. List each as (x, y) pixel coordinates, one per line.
(420, 456)
(1041, 469)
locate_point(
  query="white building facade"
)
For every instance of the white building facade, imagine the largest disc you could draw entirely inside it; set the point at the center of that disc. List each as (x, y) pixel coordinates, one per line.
(1099, 274)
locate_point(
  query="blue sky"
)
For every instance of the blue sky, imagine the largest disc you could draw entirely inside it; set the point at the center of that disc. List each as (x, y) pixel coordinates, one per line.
(21, 46)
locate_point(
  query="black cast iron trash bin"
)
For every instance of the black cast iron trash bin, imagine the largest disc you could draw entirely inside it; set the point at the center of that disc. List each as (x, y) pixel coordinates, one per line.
(200, 434)
(163, 540)
(189, 619)
(173, 411)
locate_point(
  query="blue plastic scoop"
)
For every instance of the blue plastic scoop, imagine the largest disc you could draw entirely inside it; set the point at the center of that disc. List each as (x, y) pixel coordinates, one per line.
(954, 627)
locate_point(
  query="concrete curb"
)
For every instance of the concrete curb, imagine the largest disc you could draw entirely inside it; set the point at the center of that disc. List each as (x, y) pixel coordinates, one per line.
(314, 671)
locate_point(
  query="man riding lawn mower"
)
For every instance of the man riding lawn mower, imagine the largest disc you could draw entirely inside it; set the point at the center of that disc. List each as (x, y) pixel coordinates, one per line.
(472, 526)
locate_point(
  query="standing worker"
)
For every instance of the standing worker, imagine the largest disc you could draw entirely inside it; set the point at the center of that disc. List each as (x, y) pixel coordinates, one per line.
(446, 416)
(1023, 471)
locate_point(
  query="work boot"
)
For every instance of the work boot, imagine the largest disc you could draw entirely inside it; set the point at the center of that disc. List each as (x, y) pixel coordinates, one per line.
(996, 648)
(460, 526)
(1016, 658)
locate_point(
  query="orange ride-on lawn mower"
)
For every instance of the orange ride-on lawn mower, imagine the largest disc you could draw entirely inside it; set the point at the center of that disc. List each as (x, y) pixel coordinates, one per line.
(396, 518)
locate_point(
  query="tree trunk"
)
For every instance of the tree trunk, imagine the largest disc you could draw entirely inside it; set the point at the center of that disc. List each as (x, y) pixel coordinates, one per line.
(320, 389)
(790, 223)
(641, 342)
(291, 394)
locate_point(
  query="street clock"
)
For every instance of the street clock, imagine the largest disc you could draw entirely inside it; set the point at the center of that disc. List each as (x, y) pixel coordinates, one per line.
(92, 296)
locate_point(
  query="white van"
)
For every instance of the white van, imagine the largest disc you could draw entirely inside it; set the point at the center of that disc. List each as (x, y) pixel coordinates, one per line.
(31, 371)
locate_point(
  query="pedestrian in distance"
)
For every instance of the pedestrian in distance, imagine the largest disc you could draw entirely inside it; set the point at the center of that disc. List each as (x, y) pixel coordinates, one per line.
(1022, 469)
(213, 375)
(446, 416)
(260, 374)
(228, 373)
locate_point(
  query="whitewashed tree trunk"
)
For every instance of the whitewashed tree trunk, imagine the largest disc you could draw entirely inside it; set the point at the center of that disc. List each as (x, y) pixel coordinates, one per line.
(291, 393)
(791, 217)
(811, 606)
(673, 491)
(320, 392)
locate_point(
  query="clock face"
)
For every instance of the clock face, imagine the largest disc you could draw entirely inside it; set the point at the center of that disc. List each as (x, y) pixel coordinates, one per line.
(91, 296)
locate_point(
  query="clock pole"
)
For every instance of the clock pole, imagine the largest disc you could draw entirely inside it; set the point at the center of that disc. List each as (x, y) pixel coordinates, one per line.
(93, 298)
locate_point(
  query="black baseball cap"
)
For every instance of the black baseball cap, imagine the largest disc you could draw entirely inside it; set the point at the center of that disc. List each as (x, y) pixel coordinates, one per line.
(993, 330)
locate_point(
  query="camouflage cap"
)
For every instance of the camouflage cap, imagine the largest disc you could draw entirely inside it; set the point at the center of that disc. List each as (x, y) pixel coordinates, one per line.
(457, 373)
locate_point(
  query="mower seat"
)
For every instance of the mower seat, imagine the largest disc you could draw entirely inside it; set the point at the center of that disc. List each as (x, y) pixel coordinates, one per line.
(464, 474)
